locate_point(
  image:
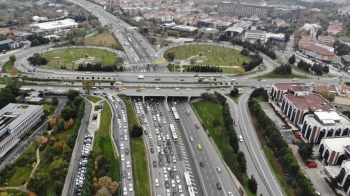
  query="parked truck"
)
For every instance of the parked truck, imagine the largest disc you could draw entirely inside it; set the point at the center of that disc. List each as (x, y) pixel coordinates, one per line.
(141, 77)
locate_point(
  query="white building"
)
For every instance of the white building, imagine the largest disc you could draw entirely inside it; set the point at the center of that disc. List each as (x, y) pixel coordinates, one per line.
(56, 25)
(255, 35)
(324, 124)
(15, 122)
(332, 150)
(344, 175)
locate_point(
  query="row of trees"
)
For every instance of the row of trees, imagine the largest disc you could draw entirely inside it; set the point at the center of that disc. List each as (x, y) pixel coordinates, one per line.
(254, 47)
(99, 67)
(203, 68)
(37, 40)
(284, 69)
(9, 94)
(37, 59)
(255, 60)
(316, 68)
(278, 145)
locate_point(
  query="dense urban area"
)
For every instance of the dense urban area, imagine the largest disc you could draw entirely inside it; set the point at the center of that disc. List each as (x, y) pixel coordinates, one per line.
(174, 98)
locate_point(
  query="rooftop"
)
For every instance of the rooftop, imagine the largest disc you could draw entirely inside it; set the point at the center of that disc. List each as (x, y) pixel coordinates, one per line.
(328, 117)
(314, 102)
(235, 29)
(346, 57)
(319, 49)
(336, 143)
(255, 31)
(6, 41)
(55, 24)
(286, 86)
(13, 114)
(334, 28)
(341, 100)
(322, 88)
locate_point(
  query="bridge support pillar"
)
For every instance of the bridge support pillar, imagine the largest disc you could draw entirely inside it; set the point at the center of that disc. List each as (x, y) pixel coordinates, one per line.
(166, 99)
(143, 99)
(189, 98)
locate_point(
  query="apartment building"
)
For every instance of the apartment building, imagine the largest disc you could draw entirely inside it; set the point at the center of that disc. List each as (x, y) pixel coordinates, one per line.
(255, 35)
(15, 121)
(242, 10)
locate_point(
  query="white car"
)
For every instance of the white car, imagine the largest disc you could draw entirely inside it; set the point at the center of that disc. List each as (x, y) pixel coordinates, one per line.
(262, 80)
(177, 89)
(172, 183)
(188, 89)
(240, 89)
(157, 88)
(164, 170)
(125, 191)
(122, 146)
(122, 157)
(130, 187)
(177, 177)
(175, 169)
(128, 164)
(166, 177)
(158, 148)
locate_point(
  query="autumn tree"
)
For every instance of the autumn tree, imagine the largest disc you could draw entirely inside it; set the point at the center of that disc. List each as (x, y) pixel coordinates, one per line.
(103, 192)
(40, 139)
(87, 85)
(14, 72)
(106, 181)
(240, 70)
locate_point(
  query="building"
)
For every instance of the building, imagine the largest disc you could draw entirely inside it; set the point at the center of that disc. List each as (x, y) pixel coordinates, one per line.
(285, 11)
(255, 35)
(322, 124)
(297, 105)
(277, 40)
(167, 26)
(344, 174)
(278, 21)
(204, 22)
(325, 39)
(342, 103)
(332, 150)
(344, 40)
(242, 10)
(345, 61)
(325, 88)
(183, 29)
(234, 31)
(279, 89)
(318, 51)
(211, 31)
(334, 29)
(56, 25)
(15, 121)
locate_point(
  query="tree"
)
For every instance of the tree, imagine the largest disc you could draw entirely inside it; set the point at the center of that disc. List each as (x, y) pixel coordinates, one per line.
(234, 92)
(171, 55)
(99, 29)
(103, 192)
(14, 72)
(67, 113)
(136, 131)
(192, 61)
(106, 181)
(40, 140)
(58, 169)
(87, 85)
(12, 59)
(37, 183)
(325, 94)
(55, 101)
(252, 184)
(60, 125)
(57, 187)
(291, 59)
(242, 161)
(305, 150)
(72, 94)
(240, 70)
(94, 23)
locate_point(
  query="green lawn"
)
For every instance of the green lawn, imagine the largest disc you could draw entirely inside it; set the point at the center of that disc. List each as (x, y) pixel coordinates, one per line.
(142, 186)
(235, 99)
(104, 141)
(273, 75)
(141, 178)
(268, 154)
(67, 57)
(211, 55)
(209, 111)
(104, 39)
(296, 68)
(93, 98)
(6, 68)
(22, 173)
(171, 68)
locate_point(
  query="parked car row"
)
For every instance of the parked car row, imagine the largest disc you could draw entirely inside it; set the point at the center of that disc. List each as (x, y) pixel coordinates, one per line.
(82, 164)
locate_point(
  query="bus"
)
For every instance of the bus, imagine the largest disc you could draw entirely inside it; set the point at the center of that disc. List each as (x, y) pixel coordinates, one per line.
(173, 132)
(176, 115)
(25, 89)
(189, 184)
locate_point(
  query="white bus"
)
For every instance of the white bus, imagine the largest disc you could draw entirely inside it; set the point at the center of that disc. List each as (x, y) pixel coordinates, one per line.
(173, 132)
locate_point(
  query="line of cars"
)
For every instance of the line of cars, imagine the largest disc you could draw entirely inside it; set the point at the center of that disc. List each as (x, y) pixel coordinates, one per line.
(82, 164)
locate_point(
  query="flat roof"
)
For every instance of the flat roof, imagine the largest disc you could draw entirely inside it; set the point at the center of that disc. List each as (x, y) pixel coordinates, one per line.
(341, 100)
(286, 86)
(13, 143)
(235, 29)
(55, 24)
(328, 117)
(336, 143)
(7, 41)
(315, 102)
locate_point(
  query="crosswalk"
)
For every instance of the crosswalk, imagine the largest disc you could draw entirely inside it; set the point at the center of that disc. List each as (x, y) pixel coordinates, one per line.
(187, 165)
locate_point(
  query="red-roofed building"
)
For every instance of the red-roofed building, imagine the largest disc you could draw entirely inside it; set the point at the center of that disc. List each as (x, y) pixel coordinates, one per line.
(279, 89)
(345, 61)
(296, 107)
(325, 39)
(319, 52)
(334, 29)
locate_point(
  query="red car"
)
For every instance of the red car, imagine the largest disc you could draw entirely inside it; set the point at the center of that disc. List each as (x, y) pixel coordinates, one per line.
(208, 89)
(157, 79)
(197, 126)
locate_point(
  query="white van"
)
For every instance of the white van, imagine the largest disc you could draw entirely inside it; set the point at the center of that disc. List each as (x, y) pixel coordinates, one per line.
(156, 182)
(233, 80)
(267, 86)
(240, 138)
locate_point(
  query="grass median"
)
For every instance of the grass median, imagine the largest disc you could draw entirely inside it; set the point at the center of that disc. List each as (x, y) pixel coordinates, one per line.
(104, 141)
(274, 75)
(236, 98)
(138, 153)
(93, 98)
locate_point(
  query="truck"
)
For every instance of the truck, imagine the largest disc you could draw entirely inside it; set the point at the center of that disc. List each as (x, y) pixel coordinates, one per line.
(141, 77)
